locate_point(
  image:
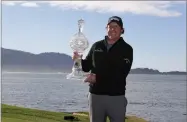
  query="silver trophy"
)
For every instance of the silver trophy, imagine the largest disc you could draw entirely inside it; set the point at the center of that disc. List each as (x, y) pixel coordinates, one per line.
(78, 43)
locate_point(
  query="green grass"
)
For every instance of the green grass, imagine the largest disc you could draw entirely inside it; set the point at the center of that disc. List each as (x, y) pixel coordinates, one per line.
(20, 114)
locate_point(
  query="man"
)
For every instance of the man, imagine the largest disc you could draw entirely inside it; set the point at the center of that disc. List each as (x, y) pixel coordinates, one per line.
(109, 61)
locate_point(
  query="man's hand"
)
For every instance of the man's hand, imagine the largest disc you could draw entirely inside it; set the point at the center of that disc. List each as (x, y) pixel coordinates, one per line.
(76, 56)
(91, 78)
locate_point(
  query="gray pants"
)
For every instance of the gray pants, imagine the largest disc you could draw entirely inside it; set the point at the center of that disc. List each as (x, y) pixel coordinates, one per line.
(101, 106)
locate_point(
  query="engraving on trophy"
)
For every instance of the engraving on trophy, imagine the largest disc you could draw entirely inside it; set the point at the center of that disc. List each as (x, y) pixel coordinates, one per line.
(79, 44)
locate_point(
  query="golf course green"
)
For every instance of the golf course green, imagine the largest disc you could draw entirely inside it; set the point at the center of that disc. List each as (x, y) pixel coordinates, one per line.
(19, 114)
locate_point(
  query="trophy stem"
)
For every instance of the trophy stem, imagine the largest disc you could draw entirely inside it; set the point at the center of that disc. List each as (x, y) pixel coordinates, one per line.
(77, 73)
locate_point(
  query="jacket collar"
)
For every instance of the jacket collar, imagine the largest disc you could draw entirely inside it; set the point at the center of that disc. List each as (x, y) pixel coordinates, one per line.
(106, 43)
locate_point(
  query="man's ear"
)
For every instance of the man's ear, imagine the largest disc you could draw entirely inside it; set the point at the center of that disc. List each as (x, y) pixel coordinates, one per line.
(123, 31)
(106, 28)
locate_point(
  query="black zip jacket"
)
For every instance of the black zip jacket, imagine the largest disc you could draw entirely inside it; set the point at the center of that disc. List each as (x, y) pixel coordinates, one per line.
(110, 66)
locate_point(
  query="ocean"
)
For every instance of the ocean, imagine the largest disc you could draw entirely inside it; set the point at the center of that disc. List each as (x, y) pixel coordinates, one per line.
(157, 98)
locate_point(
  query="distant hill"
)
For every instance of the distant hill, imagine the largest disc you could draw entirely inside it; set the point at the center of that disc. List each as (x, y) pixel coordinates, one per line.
(15, 60)
(153, 71)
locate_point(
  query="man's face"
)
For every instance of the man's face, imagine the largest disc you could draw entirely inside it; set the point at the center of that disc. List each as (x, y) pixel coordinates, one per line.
(114, 30)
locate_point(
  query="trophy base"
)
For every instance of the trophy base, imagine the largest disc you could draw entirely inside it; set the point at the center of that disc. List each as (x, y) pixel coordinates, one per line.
(76, 75)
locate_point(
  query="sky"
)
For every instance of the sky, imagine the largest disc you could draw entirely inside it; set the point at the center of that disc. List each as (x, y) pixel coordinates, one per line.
(155, 29)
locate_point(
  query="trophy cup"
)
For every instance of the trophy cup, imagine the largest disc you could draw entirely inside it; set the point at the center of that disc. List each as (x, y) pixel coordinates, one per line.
(78, 43)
